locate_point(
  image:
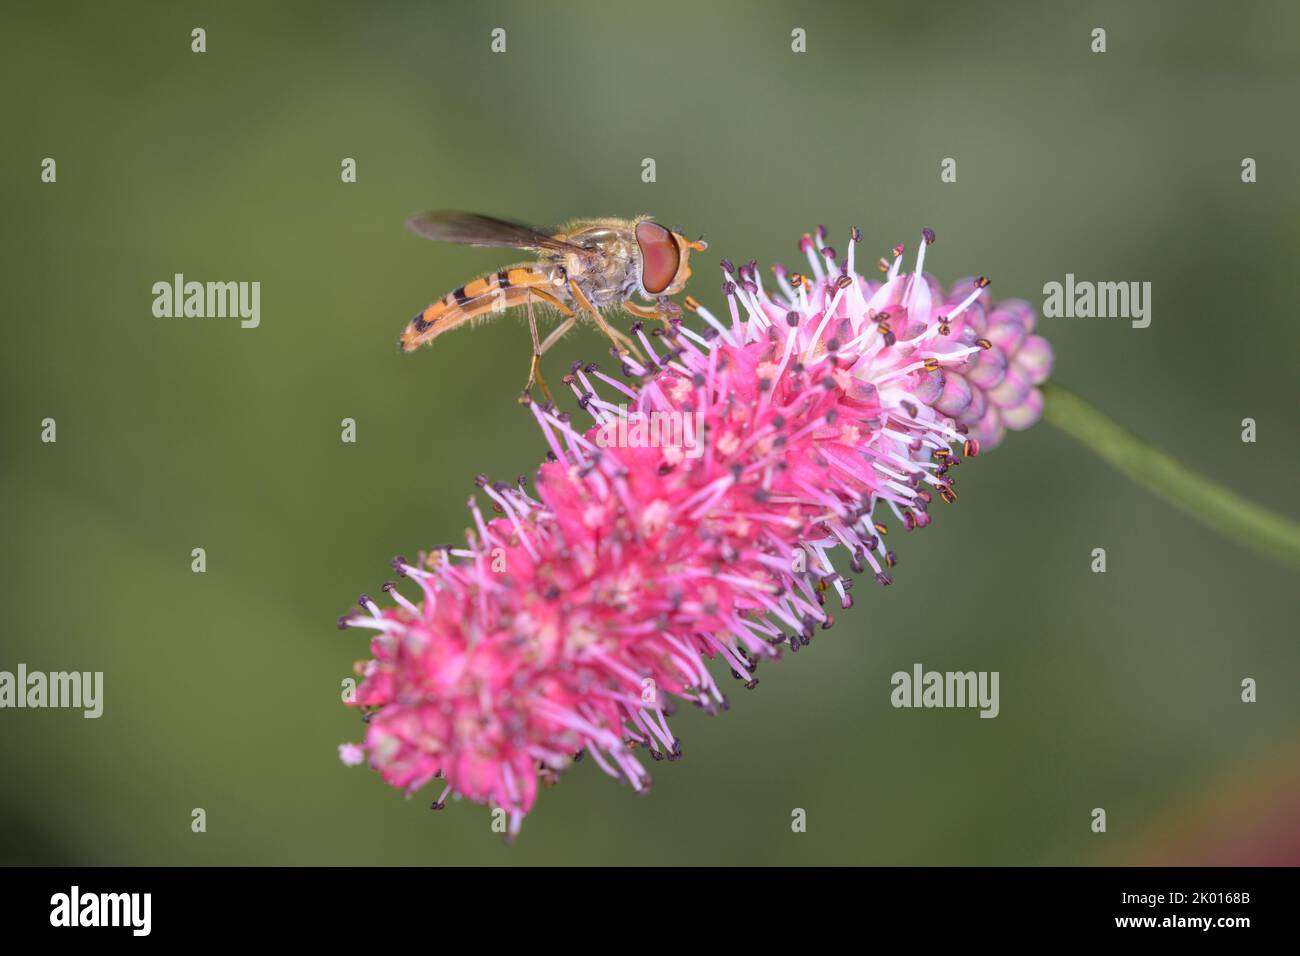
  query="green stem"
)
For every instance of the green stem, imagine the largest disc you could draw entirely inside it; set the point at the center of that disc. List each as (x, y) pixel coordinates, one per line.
(1207, 502)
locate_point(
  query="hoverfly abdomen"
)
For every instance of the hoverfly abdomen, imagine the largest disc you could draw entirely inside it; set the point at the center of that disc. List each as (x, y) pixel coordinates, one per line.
(489, 293)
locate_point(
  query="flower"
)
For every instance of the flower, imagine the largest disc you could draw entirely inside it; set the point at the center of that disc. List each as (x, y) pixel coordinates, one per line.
(575, 618)
(995, 389)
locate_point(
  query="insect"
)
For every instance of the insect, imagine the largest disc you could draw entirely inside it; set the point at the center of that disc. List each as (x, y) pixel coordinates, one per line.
(584, 268)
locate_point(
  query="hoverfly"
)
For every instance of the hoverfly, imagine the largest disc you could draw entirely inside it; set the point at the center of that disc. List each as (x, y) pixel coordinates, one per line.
(584, 267)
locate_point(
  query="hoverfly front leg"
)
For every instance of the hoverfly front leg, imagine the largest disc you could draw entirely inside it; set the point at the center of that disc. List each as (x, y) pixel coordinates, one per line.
(665, 311)
(668, 310)
(641, 312)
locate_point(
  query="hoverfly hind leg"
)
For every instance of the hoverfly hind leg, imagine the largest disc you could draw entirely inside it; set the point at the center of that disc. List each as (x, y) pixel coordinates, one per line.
(542, 347)
(534, 366)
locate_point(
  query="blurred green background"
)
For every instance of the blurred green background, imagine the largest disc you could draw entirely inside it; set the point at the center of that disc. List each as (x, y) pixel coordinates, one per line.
(222, 689)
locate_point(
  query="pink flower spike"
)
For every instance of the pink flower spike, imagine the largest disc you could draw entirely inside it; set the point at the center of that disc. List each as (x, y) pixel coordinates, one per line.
(706, 513)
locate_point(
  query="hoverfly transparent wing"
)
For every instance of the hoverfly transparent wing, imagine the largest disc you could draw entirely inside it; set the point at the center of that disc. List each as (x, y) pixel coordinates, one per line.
(471, 229)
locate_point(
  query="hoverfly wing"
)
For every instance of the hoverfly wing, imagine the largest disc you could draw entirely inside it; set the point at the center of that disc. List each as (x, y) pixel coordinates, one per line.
(471, 229)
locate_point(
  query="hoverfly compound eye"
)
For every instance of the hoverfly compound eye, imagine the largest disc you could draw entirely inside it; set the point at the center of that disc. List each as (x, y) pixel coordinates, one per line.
(659, 256)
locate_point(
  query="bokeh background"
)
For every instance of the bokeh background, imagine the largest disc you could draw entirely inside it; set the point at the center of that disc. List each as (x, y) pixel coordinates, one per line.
(222, 689)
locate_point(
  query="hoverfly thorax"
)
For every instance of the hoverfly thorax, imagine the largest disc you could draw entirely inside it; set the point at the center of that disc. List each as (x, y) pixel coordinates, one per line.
(665, 258)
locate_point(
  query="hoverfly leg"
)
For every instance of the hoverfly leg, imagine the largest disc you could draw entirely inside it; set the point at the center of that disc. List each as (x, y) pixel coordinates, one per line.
(668, 310)
(641, 312)
(622, 344)
(558, 333)
(535, 366)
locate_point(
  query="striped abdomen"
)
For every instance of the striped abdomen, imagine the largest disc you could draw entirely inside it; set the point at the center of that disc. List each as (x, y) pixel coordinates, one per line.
(489, 293)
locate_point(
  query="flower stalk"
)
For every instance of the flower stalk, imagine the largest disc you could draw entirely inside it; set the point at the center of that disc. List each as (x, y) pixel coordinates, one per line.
(1209, 503)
